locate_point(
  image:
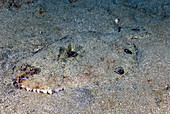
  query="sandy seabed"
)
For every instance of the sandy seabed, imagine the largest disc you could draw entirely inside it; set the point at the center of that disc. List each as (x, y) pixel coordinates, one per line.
(28, 27)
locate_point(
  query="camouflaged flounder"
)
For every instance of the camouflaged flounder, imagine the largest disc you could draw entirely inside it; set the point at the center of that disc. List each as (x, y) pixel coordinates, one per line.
(81, 60)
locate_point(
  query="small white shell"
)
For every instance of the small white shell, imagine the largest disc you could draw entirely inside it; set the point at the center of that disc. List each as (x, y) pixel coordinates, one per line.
(116, 21)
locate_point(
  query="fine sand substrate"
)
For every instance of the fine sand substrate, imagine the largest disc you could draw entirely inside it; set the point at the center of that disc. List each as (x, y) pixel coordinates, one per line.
(30, 29)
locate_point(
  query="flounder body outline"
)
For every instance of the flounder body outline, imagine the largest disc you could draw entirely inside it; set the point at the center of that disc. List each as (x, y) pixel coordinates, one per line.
(83, 60)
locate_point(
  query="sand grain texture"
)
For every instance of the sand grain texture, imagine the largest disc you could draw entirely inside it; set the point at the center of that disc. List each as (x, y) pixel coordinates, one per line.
(28, 30)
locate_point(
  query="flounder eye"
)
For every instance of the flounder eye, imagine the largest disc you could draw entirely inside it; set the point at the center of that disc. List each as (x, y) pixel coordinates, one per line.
(119, 70)
(127, 51)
